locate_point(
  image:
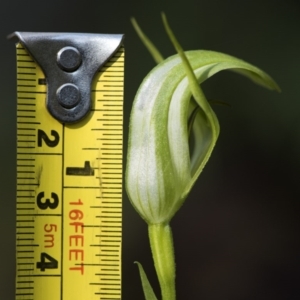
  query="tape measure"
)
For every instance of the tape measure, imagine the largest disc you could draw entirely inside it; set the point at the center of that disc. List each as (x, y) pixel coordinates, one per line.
(69, 166)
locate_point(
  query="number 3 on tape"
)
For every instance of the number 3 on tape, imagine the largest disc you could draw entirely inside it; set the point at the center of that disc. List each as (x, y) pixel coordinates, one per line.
(69, 166)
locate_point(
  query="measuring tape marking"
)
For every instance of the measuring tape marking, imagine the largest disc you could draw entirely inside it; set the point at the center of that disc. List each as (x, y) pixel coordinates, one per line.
(30, 179)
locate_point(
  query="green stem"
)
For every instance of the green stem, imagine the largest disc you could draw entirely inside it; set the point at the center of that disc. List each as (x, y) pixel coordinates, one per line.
(161, 242)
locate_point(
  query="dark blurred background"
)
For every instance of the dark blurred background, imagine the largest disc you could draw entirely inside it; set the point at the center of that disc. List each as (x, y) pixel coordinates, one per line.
(237, 235)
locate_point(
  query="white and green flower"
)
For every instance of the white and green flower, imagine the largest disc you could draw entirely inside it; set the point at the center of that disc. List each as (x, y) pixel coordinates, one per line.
(160, 170)
(161, 167)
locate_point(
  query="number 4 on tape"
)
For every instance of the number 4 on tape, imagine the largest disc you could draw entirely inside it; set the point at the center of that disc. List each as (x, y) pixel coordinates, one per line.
(69, 165)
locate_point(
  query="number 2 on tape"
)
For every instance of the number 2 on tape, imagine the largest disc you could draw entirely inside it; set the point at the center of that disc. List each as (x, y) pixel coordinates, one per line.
(69, 166)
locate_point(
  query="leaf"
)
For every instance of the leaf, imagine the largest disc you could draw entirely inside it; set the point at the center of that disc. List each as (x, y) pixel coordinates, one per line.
(148, 291)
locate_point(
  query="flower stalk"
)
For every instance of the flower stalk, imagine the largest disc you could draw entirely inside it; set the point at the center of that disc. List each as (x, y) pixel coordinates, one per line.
(161, 242)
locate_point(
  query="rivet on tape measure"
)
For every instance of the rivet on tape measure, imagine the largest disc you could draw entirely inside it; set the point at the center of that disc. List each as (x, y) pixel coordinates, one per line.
(69, 166)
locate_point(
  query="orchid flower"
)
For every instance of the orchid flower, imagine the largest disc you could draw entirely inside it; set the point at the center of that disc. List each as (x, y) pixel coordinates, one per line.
(161, 168)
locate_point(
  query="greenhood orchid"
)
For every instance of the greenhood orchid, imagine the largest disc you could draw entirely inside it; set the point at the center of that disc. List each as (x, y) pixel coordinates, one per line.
(161, 167)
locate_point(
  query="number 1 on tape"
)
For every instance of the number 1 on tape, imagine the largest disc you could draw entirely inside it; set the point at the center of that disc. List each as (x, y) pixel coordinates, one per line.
(69, 166)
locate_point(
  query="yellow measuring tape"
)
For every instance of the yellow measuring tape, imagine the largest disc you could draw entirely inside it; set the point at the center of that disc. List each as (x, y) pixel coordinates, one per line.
(69, 189)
